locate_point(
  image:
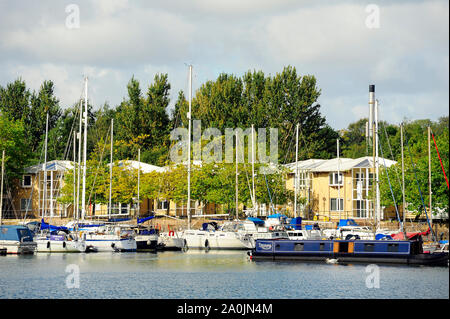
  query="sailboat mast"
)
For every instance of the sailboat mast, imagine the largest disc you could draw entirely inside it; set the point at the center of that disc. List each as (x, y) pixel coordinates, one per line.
(110, 168)
(1, 188)
(429, 175)
(237, 180)
(45, 168)
(79, 134)
(372, 132)
(296, 173)
(403, 182)
(253, 170)
(377, 165)
(189, 150)
(139, 175)
(338, 204)
(74, 172)
(83, 194)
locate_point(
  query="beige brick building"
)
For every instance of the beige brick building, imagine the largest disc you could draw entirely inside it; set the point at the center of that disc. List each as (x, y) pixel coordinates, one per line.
(330, 195)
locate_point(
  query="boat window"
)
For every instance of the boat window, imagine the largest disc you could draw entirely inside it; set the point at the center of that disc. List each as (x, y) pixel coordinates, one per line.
(322, 246)
(211, 234)
(277, 246)
(25, 235)
(343, 247)
(299, 247)
(369, 247)
(392, 248)
(222, 234)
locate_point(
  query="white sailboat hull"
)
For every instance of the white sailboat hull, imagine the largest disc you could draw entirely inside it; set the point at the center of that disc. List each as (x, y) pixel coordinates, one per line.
(58, 246)
(200, 239)
(108, 243)
(171, 241)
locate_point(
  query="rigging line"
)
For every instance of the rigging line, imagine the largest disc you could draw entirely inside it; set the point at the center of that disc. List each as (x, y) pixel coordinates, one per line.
(96, 172)
(69, 143)
(392, 155)
(290, 144)
(418, 185)
(390, 187)
(268, 190)
(442, 166)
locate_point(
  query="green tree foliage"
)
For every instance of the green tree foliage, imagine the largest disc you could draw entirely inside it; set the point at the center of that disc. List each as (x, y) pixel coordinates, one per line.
(279, 101)
(13, 141)
(143, 122)
(416, 167)
(18, 103)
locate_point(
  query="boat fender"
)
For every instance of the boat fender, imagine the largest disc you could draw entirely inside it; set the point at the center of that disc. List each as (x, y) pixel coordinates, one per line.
(48, 244)
(113, 245)
(206, 244)
(64, 244)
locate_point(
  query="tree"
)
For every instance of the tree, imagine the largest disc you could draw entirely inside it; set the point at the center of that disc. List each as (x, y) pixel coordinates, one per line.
(13, 141)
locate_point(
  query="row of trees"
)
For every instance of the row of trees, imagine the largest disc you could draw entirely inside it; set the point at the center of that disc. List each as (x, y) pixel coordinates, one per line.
(143, 121)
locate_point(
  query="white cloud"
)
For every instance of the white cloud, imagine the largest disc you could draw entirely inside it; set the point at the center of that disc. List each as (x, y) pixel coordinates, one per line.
(407, 57)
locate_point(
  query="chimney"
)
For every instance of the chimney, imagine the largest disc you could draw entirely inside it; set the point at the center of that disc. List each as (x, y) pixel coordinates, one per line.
(371, 107)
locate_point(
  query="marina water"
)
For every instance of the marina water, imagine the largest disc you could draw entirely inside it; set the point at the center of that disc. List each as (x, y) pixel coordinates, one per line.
(209, 275)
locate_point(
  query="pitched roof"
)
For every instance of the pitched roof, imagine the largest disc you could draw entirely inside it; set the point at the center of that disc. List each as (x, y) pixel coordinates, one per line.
(344, 164)
(55, 165)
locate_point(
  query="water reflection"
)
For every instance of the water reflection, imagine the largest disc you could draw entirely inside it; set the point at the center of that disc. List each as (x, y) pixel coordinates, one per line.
(212, 274)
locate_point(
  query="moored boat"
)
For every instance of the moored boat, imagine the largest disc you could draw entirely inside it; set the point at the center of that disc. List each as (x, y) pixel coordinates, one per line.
(211, 237)
(16, 239)
(58, 239)
(348, 251)
(110, 239)
(171, 241)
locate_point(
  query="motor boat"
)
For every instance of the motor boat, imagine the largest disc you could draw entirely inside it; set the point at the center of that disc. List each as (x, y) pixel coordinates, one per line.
(211, 237)
(16, 239)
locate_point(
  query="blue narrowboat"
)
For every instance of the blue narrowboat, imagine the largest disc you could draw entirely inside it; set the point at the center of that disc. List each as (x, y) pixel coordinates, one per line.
(346, 251)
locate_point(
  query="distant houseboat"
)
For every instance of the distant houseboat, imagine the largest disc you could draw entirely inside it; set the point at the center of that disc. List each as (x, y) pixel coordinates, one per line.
(345, 251)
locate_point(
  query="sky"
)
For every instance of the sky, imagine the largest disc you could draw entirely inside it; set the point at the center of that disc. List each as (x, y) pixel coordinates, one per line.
(402, 47)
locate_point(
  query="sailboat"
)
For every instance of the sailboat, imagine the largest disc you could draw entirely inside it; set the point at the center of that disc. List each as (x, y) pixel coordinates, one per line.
(58, 239)
(53, 238)
(106, 237)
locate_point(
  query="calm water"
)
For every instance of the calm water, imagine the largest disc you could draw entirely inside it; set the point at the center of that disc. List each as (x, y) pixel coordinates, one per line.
(211, 275)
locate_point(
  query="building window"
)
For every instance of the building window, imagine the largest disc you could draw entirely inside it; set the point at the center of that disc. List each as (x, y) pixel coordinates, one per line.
(163, 204)
(336, 179)
(25, 204)
(361, 210)
(26, 181)
(336, 205)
